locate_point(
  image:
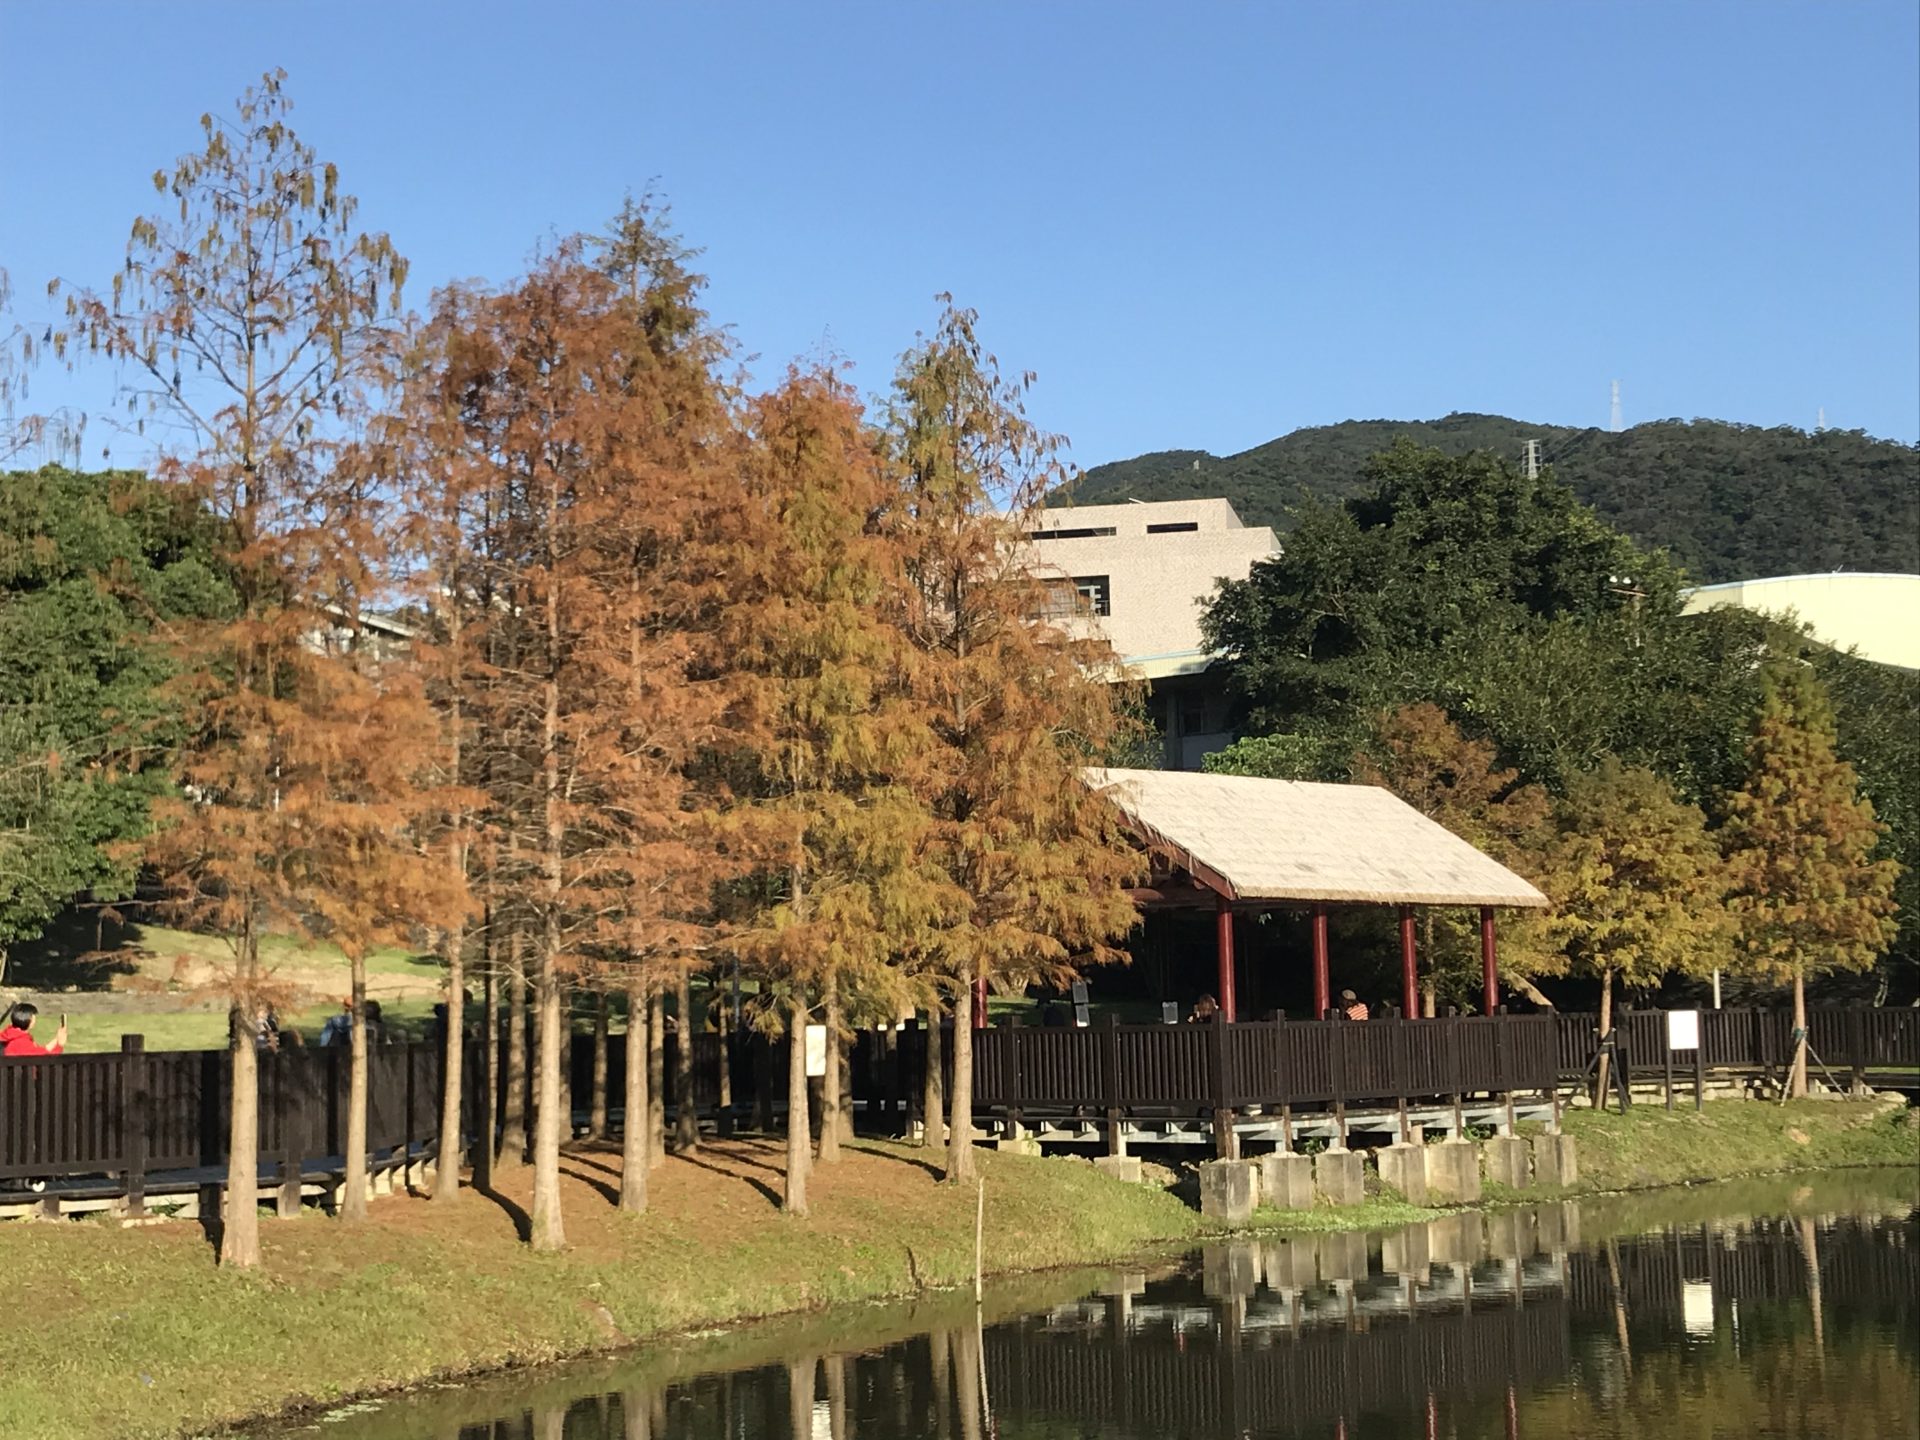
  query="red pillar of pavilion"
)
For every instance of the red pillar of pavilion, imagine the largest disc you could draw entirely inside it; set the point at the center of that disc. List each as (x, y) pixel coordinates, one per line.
(1322, 988)
(1223, 945)
(1409, 966)
(1489, 963)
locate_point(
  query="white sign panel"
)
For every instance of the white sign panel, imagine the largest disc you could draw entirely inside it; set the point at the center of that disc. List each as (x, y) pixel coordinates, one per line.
(816, 1050)
(1683, 1029)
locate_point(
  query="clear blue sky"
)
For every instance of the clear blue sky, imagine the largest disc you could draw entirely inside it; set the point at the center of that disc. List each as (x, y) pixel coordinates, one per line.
(1203, 225)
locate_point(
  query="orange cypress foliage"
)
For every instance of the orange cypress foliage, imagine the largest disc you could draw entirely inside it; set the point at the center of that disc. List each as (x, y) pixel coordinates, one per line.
(253, 319)
(834, 755)
(1808, 896)
(1019, 703)
(580, 406)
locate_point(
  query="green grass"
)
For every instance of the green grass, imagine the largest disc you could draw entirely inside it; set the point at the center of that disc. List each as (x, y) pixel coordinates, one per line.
(1730, 1138)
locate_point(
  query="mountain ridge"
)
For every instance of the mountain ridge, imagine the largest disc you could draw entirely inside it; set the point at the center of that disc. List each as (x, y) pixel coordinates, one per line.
(1731, 502)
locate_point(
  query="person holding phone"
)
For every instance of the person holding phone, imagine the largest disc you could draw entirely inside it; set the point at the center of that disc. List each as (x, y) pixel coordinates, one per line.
(17, 1037)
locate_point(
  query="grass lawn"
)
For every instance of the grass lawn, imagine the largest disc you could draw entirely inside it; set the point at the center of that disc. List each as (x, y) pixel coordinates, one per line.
(1649, 1147)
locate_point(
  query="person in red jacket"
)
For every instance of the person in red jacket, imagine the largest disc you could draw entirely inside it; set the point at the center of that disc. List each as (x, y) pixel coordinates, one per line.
(17, 1037)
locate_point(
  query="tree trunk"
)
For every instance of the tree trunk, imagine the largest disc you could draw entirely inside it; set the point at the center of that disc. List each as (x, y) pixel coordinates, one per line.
(240, 1227)
(453, 1059)
(1429, 999)
(940, 1367)
(483, 1152)
(933, 1105)
(959, 1169)
(724, 1030)
(353, 1204)
(966, 1366)
(801, 1376)
(831, 1098)
(513, 1118)
(597, 1106)
(1797, 1078)
(799, 1152)
(548, 1233)
(686, 1111)
(635, 1161)
(1606, 1025)
(656, 1077)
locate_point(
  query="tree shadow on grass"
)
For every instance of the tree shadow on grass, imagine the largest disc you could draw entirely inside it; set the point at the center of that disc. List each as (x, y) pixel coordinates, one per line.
(754, 1180)
(522, 1222)
(610, 1193)
(913, 1162)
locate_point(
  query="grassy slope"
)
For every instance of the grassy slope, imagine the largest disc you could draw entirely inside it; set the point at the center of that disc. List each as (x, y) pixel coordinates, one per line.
(1729, 1138)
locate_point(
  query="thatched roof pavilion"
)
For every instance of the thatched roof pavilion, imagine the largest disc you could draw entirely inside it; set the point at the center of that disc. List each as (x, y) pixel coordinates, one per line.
(1237, 841)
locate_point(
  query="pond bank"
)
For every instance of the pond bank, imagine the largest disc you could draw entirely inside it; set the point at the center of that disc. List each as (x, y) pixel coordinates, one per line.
(134, 1332)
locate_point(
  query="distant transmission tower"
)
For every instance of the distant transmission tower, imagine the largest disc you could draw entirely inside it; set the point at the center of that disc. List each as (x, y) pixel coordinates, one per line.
(1532, 459)
(1821, 423)
(1615, 425)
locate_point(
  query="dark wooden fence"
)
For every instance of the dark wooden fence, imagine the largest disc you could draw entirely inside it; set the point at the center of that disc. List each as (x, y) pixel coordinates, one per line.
(132, 1112)
(1852, 1041)
(1187, 1070)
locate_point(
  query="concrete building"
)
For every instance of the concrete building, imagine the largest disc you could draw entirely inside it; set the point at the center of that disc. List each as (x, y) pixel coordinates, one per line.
(1139, 574)
(1877, 615)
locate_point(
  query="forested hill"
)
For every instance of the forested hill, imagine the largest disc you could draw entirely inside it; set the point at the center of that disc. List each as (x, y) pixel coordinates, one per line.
(1732, 502)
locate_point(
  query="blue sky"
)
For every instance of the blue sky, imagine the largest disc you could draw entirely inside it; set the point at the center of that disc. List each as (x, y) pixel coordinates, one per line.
(1202, 225)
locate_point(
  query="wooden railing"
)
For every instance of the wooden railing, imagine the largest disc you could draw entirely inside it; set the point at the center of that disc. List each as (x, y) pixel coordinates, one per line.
(1182, 1070)
(131, 1112)
(1852, 1041)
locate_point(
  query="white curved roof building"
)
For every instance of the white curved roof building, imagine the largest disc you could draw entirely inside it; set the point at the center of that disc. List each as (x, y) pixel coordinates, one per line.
(1877, 615)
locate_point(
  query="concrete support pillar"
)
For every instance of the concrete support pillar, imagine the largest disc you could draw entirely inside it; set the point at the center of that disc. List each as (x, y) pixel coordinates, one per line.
(1286, 1181)
(1228, 1192)
(1119, 1167)
(1554, 1161)
(1453, 1172)
(1339, 1176)
(1507, 1161)
(1229, 1271)
(1408, 1251)
(1404, 1167)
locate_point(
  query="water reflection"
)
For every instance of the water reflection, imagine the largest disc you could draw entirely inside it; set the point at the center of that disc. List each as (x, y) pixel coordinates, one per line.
(1547, 1321)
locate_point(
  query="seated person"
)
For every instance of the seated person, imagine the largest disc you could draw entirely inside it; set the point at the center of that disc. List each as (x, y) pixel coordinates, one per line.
(1353, 1006)
(1204, 1009)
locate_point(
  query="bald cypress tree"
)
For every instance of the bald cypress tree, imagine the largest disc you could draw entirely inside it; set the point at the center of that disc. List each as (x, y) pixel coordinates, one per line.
(833, 752)
(1020, 702)
(1808, 895)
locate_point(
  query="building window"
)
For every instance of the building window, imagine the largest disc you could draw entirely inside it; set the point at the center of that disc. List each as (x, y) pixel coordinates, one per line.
(1174, 527)
(1072, 534)
(1082, 595)
(1095, 593)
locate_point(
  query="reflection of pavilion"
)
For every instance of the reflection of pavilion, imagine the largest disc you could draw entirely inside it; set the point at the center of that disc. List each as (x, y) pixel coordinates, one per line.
(1275, 1335)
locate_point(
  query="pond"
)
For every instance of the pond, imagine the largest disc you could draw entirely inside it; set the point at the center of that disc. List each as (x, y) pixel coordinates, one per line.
(1779, 1308)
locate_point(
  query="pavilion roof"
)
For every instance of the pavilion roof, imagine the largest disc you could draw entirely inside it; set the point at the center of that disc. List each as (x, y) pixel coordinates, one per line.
(1293, 840)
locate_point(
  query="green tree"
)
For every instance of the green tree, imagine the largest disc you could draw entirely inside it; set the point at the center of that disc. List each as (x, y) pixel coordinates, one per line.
(1637, 884)
(1462, 582)
(94, 571)
(1807, 894)
(1419, 754)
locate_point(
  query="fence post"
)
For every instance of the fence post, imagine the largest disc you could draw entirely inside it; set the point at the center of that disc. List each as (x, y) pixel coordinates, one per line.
(287, 1200)
(133, 1120)
(1503, 1060)
(1225, 1139)
(1857, 1048)
(1110, 1083)
(1455, 1083)
(1338, 1034)
(1010, 1076)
